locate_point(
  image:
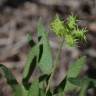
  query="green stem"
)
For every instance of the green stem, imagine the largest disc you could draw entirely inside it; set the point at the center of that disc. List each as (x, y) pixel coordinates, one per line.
(84, 89)
(55, 65)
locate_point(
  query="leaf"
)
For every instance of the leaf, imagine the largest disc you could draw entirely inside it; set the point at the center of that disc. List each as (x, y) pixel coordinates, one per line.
(74, 71)
(49, 93)
(45, 62)
(31, 63)
(93, 81)
(30, 40)
(76, 81)
(81, 81)
(59, 89)
(9, 76)
(43, 80)
(42, 93)
(18, 89)
(34, 89)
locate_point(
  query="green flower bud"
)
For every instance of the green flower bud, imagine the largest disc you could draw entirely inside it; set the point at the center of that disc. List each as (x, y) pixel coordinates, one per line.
(58, 27)
(70, 31)
(80, 33)
(71, 21)
(70, 40)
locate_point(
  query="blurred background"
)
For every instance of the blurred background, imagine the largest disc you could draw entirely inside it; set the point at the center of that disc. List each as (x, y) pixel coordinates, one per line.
(20, 17)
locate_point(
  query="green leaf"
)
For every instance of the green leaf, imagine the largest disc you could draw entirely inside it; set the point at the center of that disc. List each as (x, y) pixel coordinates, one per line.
(81, 81)
(76, 81)
(42, 93)
(43, 79)
(45, 62)
(49, 93)
(59, 89)
(31, 63)
(74, 71)
(9, 76)
(30, 40)
(34, 89)
(18, 89)
(93, 81)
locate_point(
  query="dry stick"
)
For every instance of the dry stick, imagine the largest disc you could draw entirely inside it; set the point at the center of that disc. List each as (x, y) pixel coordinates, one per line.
(55, 65)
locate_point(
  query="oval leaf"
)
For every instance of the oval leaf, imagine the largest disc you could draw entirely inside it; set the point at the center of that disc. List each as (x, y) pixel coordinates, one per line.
(45, 62)
(74, 71)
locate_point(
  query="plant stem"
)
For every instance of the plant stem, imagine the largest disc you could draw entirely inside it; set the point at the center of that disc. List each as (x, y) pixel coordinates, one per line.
(84, 89)
(55, 65)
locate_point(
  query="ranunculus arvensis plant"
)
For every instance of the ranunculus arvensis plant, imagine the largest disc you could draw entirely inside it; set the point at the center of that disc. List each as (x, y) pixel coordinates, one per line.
(40, 56)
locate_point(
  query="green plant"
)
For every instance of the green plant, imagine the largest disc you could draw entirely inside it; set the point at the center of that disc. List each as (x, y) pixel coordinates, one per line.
(40, 57)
